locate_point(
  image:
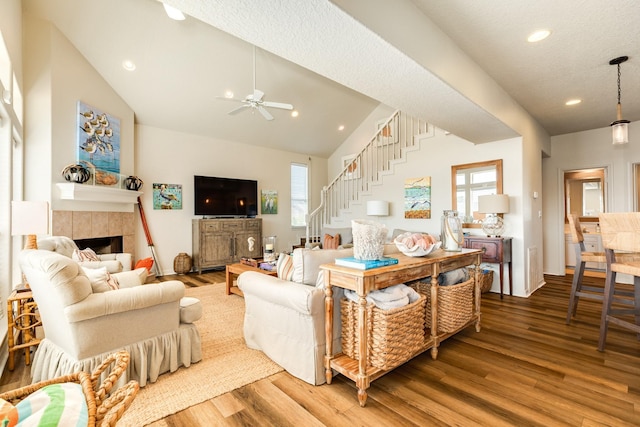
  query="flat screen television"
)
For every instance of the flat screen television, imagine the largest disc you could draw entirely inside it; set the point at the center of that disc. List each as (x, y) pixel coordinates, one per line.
(225, 197)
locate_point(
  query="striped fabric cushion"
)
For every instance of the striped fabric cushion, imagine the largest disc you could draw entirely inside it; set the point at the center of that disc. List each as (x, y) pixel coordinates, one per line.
(54, 405)
(284, 267)
(84, 255)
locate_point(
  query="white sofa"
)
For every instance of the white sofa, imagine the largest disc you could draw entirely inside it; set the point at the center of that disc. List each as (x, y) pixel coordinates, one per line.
(66, 246)
(285, 319)
(81, 326)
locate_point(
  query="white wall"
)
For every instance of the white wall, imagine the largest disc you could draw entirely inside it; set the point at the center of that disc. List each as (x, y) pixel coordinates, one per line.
(169, 157)
(435, 158)
(57, 76)
(581, 150)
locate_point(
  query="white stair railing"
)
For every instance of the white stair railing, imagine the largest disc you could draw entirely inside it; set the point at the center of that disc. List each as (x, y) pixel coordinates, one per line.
(393, 139)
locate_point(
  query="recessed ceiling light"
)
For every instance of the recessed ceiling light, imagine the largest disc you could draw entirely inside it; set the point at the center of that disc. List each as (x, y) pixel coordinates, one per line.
(228, 94)
(173, 13)
(341, 127)
(538, 36)
(128, 65)
(573, 102)
(294, 113)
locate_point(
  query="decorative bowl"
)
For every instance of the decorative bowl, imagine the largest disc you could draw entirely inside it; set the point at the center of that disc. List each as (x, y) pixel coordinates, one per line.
(415, 250)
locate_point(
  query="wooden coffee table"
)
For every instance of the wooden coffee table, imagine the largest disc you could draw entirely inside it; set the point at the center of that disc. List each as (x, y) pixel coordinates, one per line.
(234, 270)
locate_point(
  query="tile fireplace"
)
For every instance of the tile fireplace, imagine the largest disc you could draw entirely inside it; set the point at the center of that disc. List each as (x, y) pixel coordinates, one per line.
(97, 225)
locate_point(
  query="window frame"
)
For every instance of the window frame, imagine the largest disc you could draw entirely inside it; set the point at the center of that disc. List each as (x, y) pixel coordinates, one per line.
(294, 194)
(455, 169)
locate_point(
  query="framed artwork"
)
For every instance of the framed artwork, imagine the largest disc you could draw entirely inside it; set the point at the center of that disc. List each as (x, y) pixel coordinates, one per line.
(269, 202)
(98, 143)
(352, 165)
(389, 133)
(167, 196)
(417, 197)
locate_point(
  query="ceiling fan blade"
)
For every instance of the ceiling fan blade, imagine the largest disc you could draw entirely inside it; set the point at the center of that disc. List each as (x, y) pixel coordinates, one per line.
(257, 95)
(224, 98)
(264, 113)
(278, 105)
(237, 110)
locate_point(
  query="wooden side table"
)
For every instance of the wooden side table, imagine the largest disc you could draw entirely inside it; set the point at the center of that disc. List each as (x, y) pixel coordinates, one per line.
(496, 250)
(234, 270)
(22, 320)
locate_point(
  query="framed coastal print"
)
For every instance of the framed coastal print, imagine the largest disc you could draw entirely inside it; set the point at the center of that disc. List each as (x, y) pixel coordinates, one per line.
(269, 202)
(98, 143)
(417, 197)
(167, 196)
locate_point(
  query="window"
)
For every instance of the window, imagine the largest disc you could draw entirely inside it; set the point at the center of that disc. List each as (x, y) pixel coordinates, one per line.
(299, 194)
(471, 180)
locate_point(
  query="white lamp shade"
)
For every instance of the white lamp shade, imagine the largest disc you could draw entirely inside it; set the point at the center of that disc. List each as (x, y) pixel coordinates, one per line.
(29, 218)
(620, 132)
(377, 208)
(493, 203)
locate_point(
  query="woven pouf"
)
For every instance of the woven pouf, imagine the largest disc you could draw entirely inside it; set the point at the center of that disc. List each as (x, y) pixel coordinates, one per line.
(182, 263)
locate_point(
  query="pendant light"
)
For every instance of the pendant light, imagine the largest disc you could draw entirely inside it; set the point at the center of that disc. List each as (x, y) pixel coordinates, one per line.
(620, 127)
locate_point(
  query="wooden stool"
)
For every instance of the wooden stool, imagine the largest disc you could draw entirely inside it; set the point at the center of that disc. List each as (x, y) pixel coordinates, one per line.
(582, 258)
(620, 232)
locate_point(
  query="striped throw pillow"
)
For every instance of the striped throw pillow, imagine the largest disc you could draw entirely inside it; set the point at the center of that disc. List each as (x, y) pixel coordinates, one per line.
(55, 405)
(284, 267)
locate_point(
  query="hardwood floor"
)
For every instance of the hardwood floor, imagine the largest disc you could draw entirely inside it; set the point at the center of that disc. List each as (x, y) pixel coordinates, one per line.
(525, 368)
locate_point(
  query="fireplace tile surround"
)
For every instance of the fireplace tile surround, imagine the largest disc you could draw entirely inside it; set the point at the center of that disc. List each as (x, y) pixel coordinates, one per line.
(92, 224)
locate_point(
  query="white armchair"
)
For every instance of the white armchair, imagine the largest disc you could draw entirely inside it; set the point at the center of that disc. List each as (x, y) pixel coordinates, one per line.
(82, 326)
(66, 246)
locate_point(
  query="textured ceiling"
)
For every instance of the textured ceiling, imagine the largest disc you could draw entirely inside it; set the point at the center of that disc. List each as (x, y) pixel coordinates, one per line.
(335, 68)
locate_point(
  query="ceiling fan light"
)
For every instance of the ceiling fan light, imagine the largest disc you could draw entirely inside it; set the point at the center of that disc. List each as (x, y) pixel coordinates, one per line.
(620, 131)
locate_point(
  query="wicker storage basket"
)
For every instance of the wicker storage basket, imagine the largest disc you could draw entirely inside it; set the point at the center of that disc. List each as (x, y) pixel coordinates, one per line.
(485, 279)
(394, 335)
(455, 304)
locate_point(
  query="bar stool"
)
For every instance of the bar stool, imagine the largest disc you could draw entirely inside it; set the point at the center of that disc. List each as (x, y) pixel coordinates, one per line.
(582, 258)
(620, 232)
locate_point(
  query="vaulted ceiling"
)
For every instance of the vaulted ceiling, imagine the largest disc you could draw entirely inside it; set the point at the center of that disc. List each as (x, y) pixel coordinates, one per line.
(336, 61)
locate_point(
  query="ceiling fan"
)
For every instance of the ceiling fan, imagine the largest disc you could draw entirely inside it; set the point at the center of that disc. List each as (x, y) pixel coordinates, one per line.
(255, 100)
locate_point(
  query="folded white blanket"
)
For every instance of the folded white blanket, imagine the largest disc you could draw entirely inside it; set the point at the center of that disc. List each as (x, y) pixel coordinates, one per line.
(388, 298)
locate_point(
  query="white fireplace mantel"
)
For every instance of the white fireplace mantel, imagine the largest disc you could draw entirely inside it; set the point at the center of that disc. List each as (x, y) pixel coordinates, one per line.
(96, 193)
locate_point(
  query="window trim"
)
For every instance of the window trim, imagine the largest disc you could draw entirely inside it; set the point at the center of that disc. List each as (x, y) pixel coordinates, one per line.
(454, 186)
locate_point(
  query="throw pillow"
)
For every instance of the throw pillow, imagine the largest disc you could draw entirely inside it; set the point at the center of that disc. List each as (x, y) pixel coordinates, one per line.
(146, 262)
(85, 255)
(55, 405)
(284, 267)
(331, 242)
(8, 414)
(129, 279)
(100, 279)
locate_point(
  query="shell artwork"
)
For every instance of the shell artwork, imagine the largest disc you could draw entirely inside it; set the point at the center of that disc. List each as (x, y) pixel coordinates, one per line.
(251, 241)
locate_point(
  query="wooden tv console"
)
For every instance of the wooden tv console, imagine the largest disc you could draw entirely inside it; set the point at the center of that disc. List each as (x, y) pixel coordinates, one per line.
(363, 282)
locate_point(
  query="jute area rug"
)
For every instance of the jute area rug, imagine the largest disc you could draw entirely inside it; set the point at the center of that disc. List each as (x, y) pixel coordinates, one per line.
(226, 364)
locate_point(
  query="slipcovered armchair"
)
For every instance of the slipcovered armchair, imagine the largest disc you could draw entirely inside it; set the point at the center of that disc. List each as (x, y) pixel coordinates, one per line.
(66, 246)
(82, 326)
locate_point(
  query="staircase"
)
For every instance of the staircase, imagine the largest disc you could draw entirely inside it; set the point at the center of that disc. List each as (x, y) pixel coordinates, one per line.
(398, 135)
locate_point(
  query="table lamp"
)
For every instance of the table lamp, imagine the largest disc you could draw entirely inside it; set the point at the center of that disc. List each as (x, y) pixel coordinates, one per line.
(29, 219)
(377, 208)
(492, 205)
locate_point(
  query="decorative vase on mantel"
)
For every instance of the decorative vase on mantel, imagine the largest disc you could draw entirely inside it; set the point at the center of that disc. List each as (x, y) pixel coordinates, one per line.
(133, 183)
(76, 173)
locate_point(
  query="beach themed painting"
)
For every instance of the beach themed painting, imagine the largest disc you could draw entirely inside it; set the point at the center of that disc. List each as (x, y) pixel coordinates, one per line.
(167, 196)
(269, 202)
(98, 143)
(417, 197)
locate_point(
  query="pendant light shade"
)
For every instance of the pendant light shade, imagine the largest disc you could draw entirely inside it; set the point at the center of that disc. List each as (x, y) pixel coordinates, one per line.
(619, 128)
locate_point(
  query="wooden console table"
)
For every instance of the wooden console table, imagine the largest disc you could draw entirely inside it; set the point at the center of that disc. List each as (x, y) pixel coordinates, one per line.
(22, 322)
(363, 282)
(497, 250)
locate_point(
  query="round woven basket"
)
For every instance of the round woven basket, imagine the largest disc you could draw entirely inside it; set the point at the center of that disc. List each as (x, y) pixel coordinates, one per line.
(182, 263)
